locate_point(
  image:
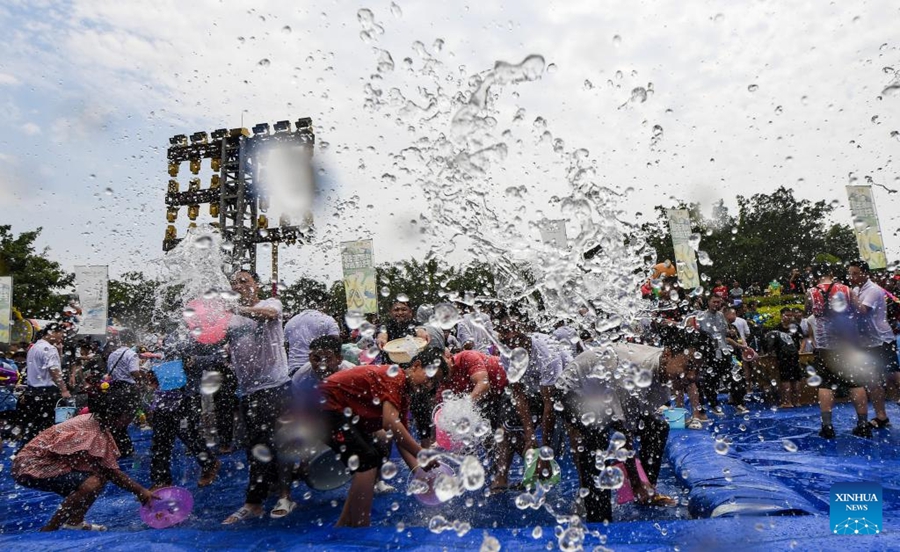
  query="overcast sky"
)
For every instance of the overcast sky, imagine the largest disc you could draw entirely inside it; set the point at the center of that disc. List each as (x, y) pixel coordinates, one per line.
(750, 96)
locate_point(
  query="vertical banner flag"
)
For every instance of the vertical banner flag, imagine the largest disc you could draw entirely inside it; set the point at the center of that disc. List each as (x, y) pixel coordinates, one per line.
(5, 308)
(685, 258)
(359, 276)
(866, 226)
(553, 233)
(92, 285)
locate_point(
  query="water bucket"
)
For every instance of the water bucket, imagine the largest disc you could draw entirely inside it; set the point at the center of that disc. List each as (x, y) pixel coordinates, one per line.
(676, 417)
(625, 493)
(441, 437)
(173, 506)
(64, 413)
(430, 498)
(208, 320)
(325, 472)
(170, 375)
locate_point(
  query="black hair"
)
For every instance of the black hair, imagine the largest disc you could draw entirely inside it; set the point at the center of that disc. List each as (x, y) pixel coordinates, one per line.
(430, 356)
(863, 266)
(328, 342)
(51, 327)
(106, 408)
(786, 309)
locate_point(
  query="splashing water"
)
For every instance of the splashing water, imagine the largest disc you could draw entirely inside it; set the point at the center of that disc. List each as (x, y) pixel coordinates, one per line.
(458, 156)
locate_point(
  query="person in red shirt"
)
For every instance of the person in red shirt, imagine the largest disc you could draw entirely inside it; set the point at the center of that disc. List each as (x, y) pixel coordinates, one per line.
(359, 402)
(75, 459)
(483, 379)
(721, 289)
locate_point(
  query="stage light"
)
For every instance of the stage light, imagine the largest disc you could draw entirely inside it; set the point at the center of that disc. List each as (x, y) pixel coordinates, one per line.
(172, 214)
(262, 129)
(173, 169)
(199, 137)
(304, 123)
(173, 186)
(178, 140)
(220, 133)
(171, 233)
(282, 126)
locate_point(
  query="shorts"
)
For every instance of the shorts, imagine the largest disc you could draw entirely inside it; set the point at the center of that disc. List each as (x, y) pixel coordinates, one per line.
(63, 485)
(790, 371)
(499, 410)
(349, 440)
(889, 358)
(840, 367)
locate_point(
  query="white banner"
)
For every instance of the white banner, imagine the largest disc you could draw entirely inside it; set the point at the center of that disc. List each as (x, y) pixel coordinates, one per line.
(92, 285)
(685, 258)
(866, 226)
(6, 284)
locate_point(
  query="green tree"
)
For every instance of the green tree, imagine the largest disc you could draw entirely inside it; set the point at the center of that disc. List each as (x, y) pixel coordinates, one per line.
(38, 282)
(305, 293)
(132, 299)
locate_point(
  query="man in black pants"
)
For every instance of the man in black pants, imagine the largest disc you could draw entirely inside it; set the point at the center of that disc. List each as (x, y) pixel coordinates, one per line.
(46, 385)
(176, 413)
(618, 390)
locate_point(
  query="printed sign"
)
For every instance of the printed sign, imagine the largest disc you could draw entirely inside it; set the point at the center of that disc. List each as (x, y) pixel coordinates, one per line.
(5, 308)
(359, 276)
(866, 226)
(856, 509)
(685, 257)
(92, 285)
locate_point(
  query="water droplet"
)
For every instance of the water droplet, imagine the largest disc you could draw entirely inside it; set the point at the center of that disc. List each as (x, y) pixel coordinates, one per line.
(588, 418)
(385, 291)
(753, 87)
(203, 242)
(617, 41)
(395, 10)
(446, 316)
(388, 470)
(264, 62)
(393, 370)
(262, 453)
(789, 445)
(472, 473)
(402, 297)
(721, 447)
(353, 463)
(286, 29)
(354, 319)
(108, 191)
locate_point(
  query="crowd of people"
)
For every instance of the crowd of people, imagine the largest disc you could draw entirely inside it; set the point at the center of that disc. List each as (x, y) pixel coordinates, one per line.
(365, 388)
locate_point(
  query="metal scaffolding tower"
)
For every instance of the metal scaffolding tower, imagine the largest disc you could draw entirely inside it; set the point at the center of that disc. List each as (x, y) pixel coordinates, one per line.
(236, 199)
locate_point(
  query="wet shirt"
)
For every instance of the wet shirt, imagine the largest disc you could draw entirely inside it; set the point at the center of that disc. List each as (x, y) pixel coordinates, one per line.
(257, 350)
(715, 326)
(826, 328)
(122, 363)
(301, 330)
(786, 346)
(42, 357)
(874, 326)
(364, 390)
(617, 383)
(304, 377)
(468, 363)
(477, 329)
(76, 444)
(544, 364)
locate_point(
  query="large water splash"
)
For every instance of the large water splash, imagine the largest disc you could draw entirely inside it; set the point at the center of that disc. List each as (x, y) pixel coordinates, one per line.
(459, 157)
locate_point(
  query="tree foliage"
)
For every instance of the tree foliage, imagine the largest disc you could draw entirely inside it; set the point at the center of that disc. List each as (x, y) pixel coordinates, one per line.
(38, 283)
(769, 235)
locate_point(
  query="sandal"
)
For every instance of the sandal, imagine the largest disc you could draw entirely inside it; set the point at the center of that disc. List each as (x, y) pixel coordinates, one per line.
(242, 514)
(283, 507)
(880, 424)
(664, 501)
(209, 475)
(84, 526)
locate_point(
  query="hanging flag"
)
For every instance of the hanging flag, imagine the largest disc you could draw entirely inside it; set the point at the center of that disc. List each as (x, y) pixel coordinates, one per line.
(866, 226)
(685, 257)
(6, 284)
(359, 276)
(92, 286)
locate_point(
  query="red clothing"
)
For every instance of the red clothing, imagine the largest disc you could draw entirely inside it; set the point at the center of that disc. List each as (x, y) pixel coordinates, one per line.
(364, 390)
(468, 363)
(721, 291)
(76, 444)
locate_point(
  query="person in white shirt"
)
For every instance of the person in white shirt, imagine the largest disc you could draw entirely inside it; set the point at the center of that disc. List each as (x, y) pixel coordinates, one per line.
(876, 335)
(301, 330)
(45, 383)
(256, 340)
(124, 371)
